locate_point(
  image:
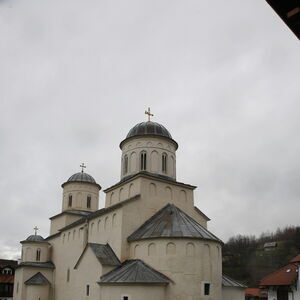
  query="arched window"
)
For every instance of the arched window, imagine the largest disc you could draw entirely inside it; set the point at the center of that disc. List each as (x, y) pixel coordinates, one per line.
(125, 167)
(88, 201)
(70, 201)
(38, 254)
(164, 163)
(143, 161)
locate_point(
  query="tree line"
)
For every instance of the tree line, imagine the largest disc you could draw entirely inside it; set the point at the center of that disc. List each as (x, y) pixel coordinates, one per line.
(246, 258)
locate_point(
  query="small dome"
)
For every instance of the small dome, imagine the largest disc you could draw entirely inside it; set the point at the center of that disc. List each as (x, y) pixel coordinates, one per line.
(81, 177)
(35, 238)
(148, 128)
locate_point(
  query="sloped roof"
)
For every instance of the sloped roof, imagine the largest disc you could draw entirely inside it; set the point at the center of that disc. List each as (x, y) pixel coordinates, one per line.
(38, 279)
(6, 278)
(47, 265)
(97, 213)
(284, 276)
(256, 292)
(229, 282)
(8, 263)
(171, 222)
(295, 259)
(134, 272)
(104, 254)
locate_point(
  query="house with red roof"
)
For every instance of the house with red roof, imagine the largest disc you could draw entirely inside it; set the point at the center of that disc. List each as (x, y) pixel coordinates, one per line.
(7, 273)
(284, 284)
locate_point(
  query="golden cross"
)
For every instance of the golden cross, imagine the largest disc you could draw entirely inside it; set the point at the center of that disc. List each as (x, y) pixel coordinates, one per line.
(82, 166)
(149, 114)
(35, 230)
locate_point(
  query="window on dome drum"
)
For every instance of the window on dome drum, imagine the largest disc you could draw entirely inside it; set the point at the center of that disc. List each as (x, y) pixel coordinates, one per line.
(87, 290)
(164, 163)
(143, 161)
(88, 201)
(38, 254)
(125, 168)
(70, 201)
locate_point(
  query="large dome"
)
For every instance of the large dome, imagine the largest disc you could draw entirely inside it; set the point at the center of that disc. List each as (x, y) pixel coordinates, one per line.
(148, 128)
(81, 177)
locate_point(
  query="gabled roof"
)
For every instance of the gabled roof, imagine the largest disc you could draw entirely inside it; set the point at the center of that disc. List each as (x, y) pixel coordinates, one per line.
(104, 254)
(6, 278)
(134, 272)
(295, 259)
(256, 292)
(284, 276)
(8, 263)
(229, 282)
(37, 279)
(171, 222)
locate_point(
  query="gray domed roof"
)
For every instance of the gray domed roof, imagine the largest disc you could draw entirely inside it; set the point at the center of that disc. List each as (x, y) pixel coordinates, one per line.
(35, 238)
(81, 177)
(148, 128)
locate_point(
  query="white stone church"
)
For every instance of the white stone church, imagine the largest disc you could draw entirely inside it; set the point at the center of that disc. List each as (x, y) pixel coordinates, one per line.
(149, 242)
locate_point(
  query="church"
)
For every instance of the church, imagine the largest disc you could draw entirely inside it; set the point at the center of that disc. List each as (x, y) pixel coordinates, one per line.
(149, 242)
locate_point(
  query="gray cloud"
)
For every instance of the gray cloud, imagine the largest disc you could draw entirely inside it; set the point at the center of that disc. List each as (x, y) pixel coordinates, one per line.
(75, 76)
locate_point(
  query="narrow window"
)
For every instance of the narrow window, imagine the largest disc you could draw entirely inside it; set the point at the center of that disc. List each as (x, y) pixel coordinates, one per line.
(143, 161)
(38, 254)
(88, 202)
(164, 163)
(68, 275)
(125, 168)
(17, 287)
(87, 290)
(206, 289)
(70, 201)
(125, 298)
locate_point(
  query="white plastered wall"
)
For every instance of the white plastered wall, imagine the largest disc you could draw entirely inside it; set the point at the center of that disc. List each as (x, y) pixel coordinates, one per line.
(25, 292)
(233, 293)
(188, 262)
(134, 292)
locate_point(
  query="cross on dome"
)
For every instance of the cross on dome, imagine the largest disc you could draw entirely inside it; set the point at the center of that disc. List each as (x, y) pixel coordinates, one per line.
(149, 114)
(82, 166)
(35, 230)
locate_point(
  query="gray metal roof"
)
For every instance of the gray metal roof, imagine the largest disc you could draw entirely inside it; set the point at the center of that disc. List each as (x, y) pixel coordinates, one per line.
(229, 282)
(99, 212)
(76, 212)
(34, 239)
(104, 254)
(151, 175)
(46, 265)
(37, 279)
(149, 128)
(171, 222)
(134, 272)
(81, 177)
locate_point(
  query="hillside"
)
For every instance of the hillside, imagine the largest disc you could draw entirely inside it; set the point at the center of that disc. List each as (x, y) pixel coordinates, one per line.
(248, 259)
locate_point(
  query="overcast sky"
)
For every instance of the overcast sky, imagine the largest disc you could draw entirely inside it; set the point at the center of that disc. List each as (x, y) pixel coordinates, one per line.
(222, 76)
